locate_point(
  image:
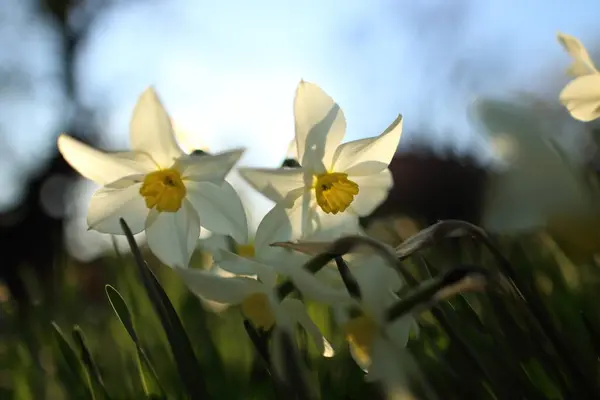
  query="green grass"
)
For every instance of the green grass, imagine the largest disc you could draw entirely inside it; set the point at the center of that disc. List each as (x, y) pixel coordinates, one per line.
(538, 342)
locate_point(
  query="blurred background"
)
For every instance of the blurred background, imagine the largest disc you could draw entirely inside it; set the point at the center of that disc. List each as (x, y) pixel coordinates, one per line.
(227, 71)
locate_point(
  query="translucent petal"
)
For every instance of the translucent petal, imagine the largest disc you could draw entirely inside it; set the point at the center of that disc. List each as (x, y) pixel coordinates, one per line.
(368, 156)
(243, 266)
(121, 199)
(100, 167)
(373, 190)
(377, 282)
(297, 310)
(172, 237)
(151, 131)
(274, 184)
(320, 126)
(582, 63)
(213, 168)
(581, 96)
(216, 288)
(333, 226)
(281, 223)
(220, 208)
(398, 331)
(390, 366)
(313, 288)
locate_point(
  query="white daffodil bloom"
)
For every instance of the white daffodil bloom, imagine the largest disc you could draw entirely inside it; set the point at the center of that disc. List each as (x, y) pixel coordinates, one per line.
(257, 298)
(374, 341)
(581, 96)
(336, 182)
(247, 258)
(157, 188)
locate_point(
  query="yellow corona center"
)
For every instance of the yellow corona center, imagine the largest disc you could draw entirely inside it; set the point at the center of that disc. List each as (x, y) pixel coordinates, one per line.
(257, 309)
(245, 250)
(360, 334)
(164, 190)
(334, 191)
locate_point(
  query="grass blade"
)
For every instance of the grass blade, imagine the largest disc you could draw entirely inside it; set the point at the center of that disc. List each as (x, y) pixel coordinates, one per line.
(145, 366)
(71, 368)
(185, 359)
(88, 361)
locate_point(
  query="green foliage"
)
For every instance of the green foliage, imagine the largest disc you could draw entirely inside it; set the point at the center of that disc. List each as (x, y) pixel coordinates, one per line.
(533, 336)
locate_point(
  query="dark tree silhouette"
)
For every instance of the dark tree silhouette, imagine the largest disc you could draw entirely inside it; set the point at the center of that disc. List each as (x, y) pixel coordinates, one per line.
(32, 236)
(429, 187)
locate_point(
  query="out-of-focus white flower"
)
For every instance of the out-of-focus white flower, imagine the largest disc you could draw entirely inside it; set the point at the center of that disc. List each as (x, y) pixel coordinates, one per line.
(256, 296)
(374, 341)
(581, 96)
(336, 182)
(247, 258)
(158, 188)
(542, 177)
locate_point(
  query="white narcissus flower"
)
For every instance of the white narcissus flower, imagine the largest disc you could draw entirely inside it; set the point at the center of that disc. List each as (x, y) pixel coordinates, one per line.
(158, 188)
(373, 340)
(581, 96)
(259, 255)
(336, 182)
(257, 298)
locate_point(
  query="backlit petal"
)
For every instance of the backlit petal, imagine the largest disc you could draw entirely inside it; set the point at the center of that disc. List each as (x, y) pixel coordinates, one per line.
(274, 184)
(216, 288)
(333, 226)
(151, 131)
(398, 331)
(121, 199)
(280, 224)
(297, 310)
(377, 281)
(244, 266)
(368, 156)
(220, 208)
(213, 168)
(373, 190)
(581, 96)
(100, 167)
(582, 63)
(172, 237)
(320, 126)
(313, 288)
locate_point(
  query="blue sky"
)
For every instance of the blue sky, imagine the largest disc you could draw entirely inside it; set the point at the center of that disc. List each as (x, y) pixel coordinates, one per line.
(227, 70)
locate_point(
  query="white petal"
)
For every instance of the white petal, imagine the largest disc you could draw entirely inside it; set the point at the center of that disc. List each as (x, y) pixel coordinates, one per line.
(216, 288)
(172, 237)
(297, 310)
(320, 125)
(274, 184)
(334, 226)
(372, 191)
(390, 366)
(213, 168)
(581, 96)
(369, 156)
(121, 199)
(377, 282)
(312, 288)
(582, 63)
(220, 208)
(151, 131)
(282, 223)
(244, 266)
(398, 331)
(100, 167)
